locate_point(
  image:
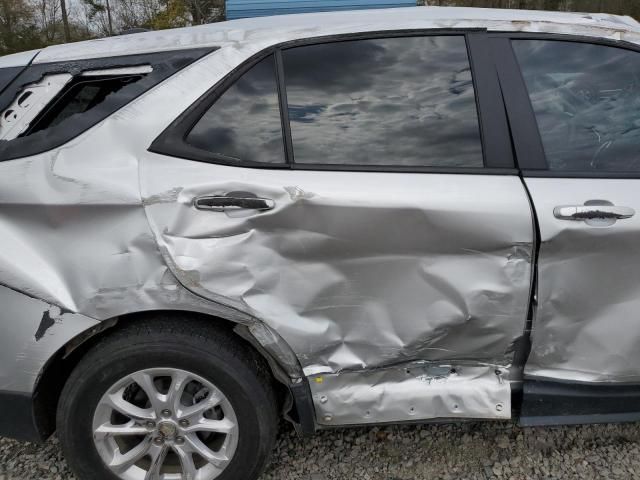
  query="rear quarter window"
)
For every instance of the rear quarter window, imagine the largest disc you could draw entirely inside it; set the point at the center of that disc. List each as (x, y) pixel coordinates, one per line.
(47, 105)
(244, 123)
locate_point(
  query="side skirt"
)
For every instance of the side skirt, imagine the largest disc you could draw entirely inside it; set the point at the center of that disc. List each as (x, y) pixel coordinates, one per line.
(548, 402)
(411, 392)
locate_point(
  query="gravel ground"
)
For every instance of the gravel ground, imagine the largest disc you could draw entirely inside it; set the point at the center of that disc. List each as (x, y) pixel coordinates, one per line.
(462, 451)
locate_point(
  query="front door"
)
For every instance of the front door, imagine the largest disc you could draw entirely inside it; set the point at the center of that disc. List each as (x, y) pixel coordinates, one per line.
(584, 180)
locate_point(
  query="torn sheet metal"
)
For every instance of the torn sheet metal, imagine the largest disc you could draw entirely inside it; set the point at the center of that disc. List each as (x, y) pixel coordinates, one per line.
(32, 332)
(586, 327)
(411, 392)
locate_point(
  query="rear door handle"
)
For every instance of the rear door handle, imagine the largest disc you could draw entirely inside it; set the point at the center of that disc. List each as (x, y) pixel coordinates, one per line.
(593, 212)
(221, 203)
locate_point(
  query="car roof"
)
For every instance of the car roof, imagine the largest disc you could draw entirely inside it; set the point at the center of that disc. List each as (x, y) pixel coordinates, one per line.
(327, 23)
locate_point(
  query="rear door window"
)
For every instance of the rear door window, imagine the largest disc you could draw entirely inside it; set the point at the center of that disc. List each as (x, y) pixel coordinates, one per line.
(406, 101)
(586, 100)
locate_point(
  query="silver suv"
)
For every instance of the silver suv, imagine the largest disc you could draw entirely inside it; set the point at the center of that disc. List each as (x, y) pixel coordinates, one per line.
(340, 219)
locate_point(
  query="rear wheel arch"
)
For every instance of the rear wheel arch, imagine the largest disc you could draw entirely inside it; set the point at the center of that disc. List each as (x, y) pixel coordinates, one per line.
(58, 369)
(201, 352)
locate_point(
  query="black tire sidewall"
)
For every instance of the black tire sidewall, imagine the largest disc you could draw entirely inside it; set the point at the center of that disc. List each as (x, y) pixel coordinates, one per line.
(252, 406)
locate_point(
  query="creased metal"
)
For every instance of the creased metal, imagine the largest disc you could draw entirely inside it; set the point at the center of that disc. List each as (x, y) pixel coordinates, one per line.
(586, 327)
(411, 392)
(75, 235)
(356, 270)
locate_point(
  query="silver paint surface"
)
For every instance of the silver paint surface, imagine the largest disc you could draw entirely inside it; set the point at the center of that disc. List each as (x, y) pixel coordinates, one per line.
(586, 327)
(351, 273)
(18, 59)
(409, 392)
(23, 352)
(356, 270)
(75, 235)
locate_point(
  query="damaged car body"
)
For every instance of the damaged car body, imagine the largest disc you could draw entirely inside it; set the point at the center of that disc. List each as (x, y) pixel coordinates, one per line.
(400, 215)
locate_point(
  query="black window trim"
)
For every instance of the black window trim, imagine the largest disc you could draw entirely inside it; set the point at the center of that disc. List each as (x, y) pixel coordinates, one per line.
(530, 155)
(492, 121)
(172, 141)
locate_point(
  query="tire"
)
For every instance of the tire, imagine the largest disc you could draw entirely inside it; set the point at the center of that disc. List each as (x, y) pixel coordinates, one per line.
(169, 346)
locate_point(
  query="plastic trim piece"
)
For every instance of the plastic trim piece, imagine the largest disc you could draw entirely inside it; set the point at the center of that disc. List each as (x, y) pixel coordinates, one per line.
(548, 402)
(491, 112)
(569, 174)
(524, 128)
(303, 402)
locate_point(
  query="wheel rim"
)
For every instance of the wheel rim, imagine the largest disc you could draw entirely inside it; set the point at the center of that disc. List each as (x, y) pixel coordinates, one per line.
(165, 424)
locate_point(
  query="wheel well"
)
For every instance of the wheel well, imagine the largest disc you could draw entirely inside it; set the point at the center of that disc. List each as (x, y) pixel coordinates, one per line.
(56, 372)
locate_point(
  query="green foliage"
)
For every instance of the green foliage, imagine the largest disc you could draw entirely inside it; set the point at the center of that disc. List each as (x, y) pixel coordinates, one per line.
(174, 13)
(18, 30)
(94, 7)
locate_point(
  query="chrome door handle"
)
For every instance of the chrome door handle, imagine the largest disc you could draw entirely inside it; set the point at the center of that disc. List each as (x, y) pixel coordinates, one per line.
(221, 203)
(592, 212)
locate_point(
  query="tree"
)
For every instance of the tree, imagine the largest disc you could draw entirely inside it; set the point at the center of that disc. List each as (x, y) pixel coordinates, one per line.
(47, 19)
(18, 29)
(65, 20)
(98, 16)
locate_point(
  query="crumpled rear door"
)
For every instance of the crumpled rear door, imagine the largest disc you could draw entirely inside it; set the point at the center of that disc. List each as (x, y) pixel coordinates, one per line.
(347, 194)
(355, 269)
(373, 229)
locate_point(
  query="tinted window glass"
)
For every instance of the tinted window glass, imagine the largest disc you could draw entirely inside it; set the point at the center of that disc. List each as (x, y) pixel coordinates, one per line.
(244, 123)
(587, 103)
(390, 101)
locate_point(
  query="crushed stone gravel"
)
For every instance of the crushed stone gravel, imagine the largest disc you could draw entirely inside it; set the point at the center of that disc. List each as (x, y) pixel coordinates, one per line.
(464, 451)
